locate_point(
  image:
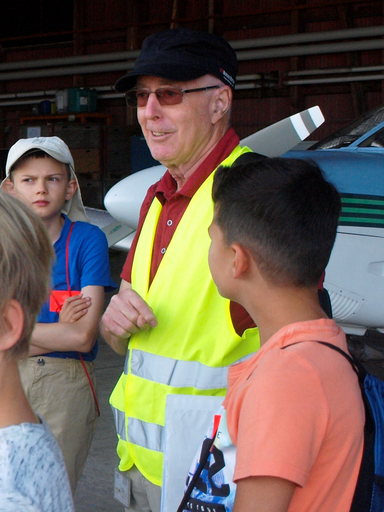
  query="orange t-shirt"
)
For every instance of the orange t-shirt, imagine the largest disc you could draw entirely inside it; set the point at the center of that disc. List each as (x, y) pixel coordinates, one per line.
(298, 414)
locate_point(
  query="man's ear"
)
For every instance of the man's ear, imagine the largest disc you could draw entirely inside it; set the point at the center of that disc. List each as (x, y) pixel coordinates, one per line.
(240, 262)
(71, 189)
(8, 187)
(12, 324)
(222, 103)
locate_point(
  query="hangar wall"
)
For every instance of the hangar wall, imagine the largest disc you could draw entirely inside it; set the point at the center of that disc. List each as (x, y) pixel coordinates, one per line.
(292, 55)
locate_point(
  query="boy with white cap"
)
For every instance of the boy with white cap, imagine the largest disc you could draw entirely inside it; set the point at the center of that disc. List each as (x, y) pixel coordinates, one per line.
(58, 377)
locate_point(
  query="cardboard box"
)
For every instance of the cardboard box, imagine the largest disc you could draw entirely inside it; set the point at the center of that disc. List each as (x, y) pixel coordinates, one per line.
(78, 136)
(86, 160)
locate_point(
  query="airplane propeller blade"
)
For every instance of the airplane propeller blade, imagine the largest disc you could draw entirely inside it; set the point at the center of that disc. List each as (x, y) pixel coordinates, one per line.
(280, 137)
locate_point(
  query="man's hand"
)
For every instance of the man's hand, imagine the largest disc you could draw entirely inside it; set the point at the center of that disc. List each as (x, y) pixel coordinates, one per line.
(74, 308)
(126, 314)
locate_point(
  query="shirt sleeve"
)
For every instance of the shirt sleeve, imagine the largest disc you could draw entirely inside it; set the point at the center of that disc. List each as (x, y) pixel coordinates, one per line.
(281, 419)
(94, 260)
(14, 501)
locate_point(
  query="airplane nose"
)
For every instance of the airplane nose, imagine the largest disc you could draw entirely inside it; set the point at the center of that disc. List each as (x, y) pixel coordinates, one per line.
(123, 201)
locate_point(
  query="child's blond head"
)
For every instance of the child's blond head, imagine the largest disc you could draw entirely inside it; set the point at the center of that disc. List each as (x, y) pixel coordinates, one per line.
(25, 265)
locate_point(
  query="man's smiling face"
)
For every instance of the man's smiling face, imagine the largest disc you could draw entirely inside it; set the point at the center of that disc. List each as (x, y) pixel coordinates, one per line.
(177, 135)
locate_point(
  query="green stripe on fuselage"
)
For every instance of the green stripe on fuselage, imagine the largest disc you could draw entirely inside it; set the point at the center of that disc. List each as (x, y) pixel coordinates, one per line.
(362, 210)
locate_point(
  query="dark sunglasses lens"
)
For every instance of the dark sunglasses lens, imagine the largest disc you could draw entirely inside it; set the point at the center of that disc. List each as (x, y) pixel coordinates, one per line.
(131, 98)
(141, 98)
(165, 96)
(169, 96)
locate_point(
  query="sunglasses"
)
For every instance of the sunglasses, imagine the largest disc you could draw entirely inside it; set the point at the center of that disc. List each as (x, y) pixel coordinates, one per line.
(165, 95)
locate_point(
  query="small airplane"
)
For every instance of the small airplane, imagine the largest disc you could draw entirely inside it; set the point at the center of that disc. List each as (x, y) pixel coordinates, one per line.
(354, 273)
(353, 159)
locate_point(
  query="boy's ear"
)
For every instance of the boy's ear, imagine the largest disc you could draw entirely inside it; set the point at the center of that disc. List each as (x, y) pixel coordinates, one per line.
(12, 325)
(71, 189)
(241, 260)
(8, 187)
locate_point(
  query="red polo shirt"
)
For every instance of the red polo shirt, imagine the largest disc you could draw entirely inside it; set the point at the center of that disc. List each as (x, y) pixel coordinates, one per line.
(175, 202)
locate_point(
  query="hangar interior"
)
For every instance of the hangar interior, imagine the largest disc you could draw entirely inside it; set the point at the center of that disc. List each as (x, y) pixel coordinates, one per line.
(59, 61)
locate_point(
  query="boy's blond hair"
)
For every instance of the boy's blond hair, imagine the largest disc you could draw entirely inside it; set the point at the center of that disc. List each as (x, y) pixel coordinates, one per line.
(26, 255)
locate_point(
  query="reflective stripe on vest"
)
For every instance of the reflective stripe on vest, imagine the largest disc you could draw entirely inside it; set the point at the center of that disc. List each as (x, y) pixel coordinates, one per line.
(194, 343)
(119, 417)
(176, 373)
(147, 435)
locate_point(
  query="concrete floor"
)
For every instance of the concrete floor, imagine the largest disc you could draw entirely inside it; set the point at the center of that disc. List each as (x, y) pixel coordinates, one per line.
(95, 488)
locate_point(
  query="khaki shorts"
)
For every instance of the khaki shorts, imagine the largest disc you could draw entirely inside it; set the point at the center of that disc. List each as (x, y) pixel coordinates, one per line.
(59, 391)
(145, 496)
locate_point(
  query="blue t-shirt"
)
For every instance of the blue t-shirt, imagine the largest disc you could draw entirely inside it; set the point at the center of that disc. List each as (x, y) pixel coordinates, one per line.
(88, 264)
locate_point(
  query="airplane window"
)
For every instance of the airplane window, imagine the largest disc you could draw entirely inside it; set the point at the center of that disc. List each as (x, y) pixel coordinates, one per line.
(374, 141)
(353, 131)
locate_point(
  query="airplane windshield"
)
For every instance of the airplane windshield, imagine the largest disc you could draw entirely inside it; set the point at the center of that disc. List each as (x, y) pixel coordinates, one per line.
(353, 131)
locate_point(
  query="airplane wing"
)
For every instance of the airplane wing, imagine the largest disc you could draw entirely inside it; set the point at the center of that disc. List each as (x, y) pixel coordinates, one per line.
(119, 235)
(123, 200)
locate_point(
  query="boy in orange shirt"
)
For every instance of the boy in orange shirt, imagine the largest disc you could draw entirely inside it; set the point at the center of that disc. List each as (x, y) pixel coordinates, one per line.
(290, 436)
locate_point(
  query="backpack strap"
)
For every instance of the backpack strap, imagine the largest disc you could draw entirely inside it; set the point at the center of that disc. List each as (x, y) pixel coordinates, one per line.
(362, 497)
(357, 367)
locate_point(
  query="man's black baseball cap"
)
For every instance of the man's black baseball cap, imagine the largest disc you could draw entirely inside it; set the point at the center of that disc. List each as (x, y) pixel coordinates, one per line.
(182, 55)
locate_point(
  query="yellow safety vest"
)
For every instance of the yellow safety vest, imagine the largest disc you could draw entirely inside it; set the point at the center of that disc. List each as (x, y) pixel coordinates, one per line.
(194, 343)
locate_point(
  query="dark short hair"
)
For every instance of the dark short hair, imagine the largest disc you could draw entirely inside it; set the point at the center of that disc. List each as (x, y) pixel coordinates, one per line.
(33, 153)
(284, 212)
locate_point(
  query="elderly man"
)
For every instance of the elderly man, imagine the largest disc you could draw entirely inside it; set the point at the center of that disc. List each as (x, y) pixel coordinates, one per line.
(178, 334)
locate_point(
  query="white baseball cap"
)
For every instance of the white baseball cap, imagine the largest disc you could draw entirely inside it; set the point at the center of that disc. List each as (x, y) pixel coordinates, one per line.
(57, 149)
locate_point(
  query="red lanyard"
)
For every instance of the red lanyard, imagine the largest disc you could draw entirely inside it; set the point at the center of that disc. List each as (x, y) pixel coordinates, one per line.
(69, 290)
